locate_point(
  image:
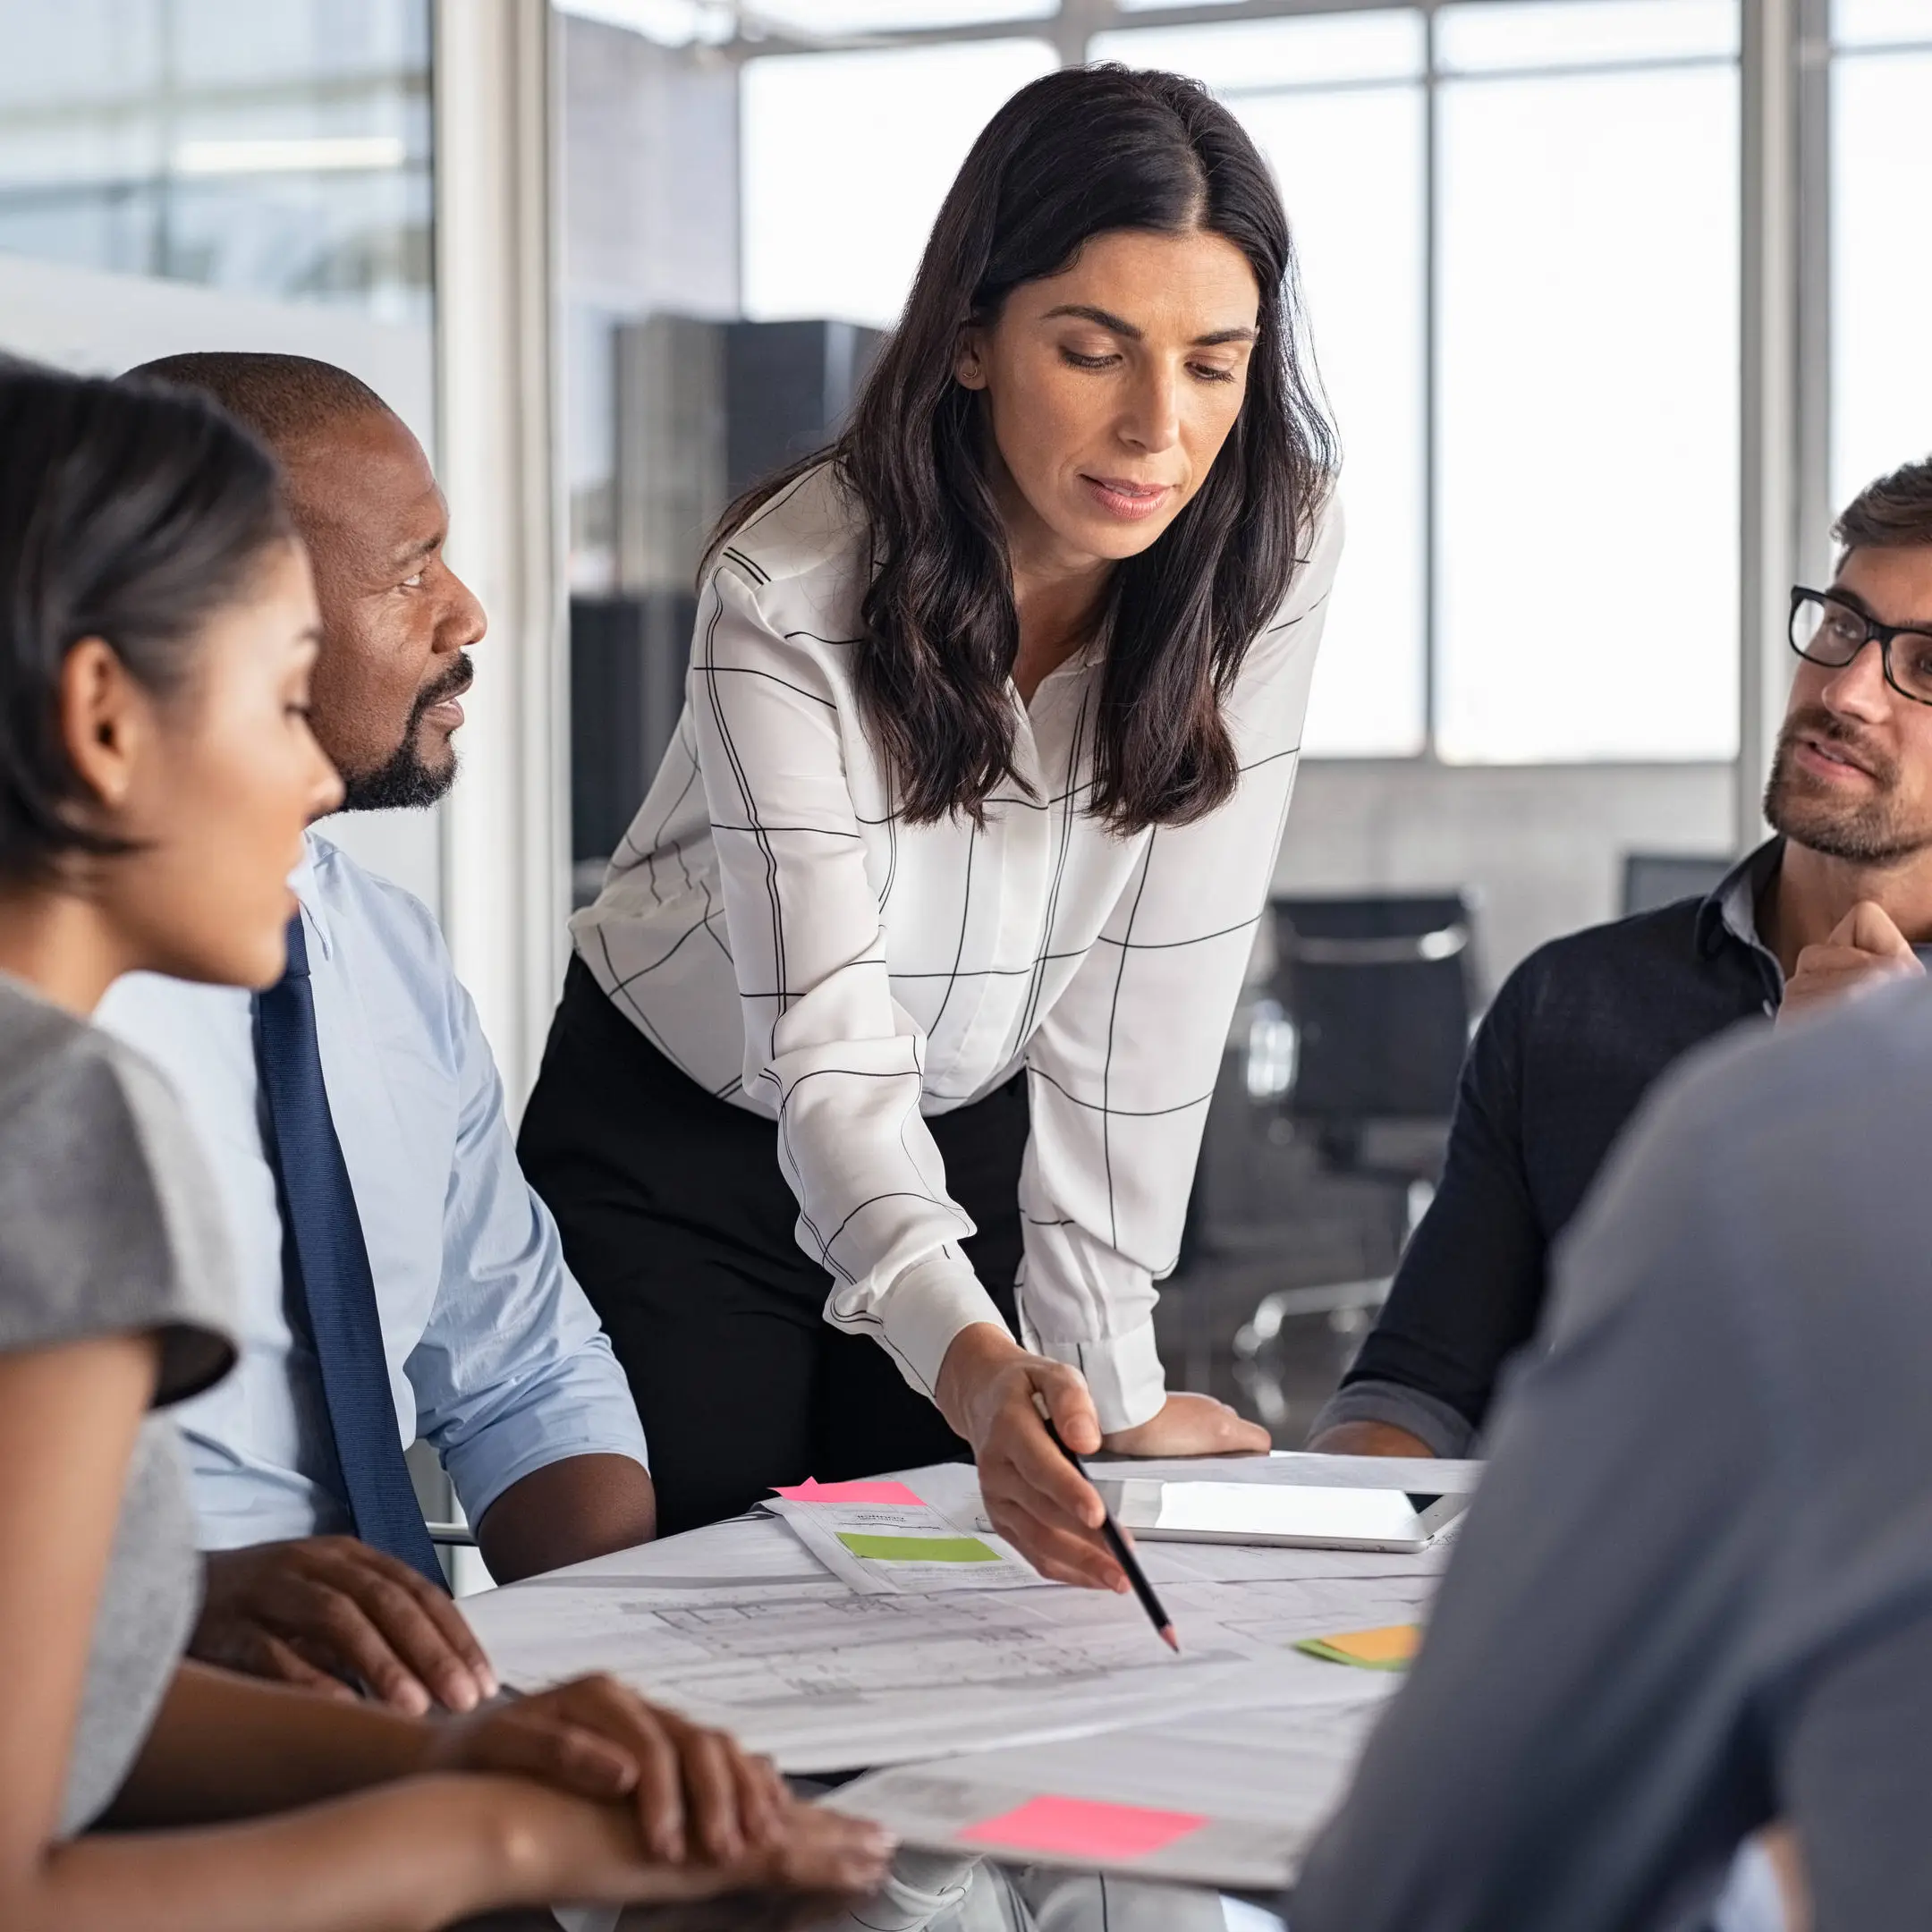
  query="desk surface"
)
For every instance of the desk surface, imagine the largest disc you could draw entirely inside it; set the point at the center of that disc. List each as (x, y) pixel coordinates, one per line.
(602, 1634)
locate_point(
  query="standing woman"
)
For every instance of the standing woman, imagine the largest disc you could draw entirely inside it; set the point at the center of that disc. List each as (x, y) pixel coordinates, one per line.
(953, 869)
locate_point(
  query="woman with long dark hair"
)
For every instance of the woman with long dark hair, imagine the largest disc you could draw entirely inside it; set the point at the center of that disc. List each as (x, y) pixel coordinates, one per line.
(915, 967)
(157, 629)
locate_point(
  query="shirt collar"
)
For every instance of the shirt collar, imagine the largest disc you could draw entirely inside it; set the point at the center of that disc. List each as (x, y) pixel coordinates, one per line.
(307, 887)
(1730, 909)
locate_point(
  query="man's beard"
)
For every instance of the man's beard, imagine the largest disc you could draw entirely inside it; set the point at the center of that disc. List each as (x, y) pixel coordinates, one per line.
(404, 781)
(1869, 832)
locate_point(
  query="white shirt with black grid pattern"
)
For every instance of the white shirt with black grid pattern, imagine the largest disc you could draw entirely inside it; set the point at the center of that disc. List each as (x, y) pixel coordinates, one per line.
(795, 947)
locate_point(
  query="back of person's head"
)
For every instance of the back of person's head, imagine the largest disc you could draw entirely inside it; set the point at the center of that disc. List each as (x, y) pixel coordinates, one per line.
(1892, 513)
(130, 513)
(1081, 154)
(284, 399)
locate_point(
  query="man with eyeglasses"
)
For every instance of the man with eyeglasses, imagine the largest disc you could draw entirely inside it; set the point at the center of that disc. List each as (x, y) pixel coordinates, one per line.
(1837, 901)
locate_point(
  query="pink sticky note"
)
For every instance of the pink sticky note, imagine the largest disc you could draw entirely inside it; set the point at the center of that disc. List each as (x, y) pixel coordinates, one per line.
(1081, 1827)
(813, 1491)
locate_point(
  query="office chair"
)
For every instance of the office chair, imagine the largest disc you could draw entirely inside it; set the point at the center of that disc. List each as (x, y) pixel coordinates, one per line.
(1375, 997)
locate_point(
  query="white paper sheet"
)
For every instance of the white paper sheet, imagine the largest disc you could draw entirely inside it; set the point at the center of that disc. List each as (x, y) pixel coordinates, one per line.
(1263, 1779)
(838, 1681)
(740, 1626)
(838, 1535)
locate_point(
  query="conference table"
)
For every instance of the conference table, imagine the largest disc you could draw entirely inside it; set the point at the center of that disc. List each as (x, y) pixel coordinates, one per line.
(1297, 1722)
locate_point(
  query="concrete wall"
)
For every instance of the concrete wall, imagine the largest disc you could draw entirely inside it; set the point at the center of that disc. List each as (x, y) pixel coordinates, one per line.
(1541, 846)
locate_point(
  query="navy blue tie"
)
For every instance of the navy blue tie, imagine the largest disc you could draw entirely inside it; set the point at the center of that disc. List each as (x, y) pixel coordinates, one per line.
(326, 1268)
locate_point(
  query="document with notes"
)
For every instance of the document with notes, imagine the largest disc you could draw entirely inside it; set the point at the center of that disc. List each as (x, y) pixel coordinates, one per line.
(739, 1625)
(897, 1548)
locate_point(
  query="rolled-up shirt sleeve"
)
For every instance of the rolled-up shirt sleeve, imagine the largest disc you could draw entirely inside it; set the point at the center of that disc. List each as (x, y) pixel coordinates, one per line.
(513, 1371)
(828, 1051)
(1122, 1066)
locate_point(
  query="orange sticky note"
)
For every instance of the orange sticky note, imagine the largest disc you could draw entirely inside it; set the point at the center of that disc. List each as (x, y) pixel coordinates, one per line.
(1083, 1828)
(1387, 1649)
(813, 1491)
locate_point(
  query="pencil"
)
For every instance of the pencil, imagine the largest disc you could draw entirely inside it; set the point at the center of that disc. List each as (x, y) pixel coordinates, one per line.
(1124, 1554)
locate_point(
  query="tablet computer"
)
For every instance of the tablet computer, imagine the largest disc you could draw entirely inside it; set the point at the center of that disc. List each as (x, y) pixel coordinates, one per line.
(1287, 1515)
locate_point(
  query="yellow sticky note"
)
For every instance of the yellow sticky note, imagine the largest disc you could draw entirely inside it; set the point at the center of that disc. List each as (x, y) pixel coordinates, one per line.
(1391, 1647)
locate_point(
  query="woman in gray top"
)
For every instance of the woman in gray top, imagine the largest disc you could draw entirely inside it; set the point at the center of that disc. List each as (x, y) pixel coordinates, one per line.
(157, 630)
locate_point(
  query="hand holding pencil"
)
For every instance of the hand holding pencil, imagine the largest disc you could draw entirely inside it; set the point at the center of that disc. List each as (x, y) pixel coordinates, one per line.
(1123, 1553)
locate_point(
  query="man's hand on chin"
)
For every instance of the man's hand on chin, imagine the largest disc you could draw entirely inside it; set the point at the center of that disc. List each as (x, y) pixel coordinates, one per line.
(1864, 949)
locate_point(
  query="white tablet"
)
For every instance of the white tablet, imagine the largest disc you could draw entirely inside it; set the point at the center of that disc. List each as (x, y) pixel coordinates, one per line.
(1288, 1516)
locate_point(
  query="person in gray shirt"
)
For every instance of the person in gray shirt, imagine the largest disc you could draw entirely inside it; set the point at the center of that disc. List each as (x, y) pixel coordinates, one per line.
(157, 627)
(1694, 1593)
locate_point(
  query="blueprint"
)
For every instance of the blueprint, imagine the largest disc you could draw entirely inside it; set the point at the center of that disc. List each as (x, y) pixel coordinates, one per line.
(730, 1626)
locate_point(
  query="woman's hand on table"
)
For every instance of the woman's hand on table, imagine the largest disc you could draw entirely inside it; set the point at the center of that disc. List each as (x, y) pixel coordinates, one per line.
(694, 1794)
(1034, 1497)
(552, 1845)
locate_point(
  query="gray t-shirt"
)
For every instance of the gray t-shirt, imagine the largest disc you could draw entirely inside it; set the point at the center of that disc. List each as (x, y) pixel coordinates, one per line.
(108, 1226)
(1695, 1591)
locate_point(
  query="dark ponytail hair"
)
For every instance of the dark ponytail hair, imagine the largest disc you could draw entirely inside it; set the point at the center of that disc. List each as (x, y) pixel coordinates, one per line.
(1084, 152)
(128, 511)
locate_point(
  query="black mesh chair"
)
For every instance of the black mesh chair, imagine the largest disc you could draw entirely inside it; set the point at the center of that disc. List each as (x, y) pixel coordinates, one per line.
(1376, 995)
(1378, 992)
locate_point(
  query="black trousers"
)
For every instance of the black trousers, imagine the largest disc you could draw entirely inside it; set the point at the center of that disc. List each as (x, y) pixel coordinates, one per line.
(678, 1222)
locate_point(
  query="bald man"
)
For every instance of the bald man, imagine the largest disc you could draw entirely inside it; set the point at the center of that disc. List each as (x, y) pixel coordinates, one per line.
(398, 1277)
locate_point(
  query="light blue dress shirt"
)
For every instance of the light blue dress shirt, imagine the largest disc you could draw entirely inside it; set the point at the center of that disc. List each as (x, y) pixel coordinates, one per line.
(495, 1356)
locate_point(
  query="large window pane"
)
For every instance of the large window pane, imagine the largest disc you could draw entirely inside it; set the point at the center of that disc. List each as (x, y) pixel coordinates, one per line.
(847, 158)
(1587, 370)
(1250, 56)
(1881, 295)
(1506, 36)
(275, 150)
(1350, 163)
(1351, 170)
(1872, 23)
(816, 18)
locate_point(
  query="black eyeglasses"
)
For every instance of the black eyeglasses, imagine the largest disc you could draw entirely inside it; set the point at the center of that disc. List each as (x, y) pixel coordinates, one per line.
(1829, 630)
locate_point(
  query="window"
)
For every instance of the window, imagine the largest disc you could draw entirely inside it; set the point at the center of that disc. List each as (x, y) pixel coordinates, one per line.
(1336, 104)
(1881, 272)
(1517, 224)
(846, 158)
(1582, 396)
(269, 150)
(1586, 382)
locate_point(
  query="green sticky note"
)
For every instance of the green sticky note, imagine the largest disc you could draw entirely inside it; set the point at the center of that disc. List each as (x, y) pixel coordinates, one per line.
(918, 1549)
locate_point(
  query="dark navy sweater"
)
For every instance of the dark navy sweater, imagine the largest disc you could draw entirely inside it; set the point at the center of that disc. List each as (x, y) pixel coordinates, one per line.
(1574, 1040)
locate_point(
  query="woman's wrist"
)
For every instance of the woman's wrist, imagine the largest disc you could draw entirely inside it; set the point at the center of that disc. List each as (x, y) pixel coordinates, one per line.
(522, 1842)
(976, 1351)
